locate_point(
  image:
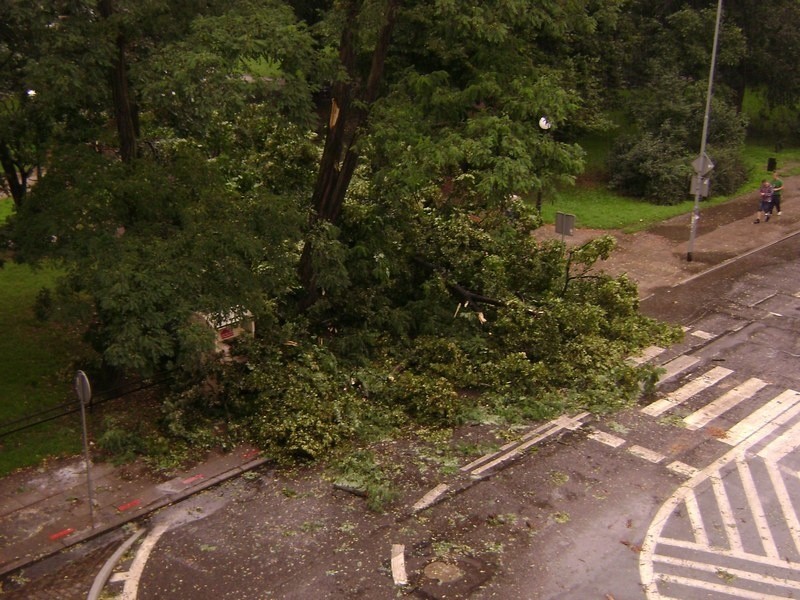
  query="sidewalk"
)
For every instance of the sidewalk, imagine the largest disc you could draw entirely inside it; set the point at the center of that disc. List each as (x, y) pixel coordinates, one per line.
(46, 510)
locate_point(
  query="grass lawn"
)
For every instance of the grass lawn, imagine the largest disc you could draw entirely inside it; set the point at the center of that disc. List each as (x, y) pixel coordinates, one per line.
(35, 370)
(595, 207)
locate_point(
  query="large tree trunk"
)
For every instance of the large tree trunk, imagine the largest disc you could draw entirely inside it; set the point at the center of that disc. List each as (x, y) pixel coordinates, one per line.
(124, 108)
(16, 175)
(350, 102)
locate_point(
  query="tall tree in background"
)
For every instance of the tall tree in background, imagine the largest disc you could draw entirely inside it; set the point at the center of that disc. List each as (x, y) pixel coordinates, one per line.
(366, 167)
(125, 111)
(458, 91)
(24, 122)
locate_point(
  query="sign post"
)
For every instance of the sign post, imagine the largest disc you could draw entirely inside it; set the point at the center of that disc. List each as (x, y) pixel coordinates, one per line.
(84, 391)
(565, 223)
(702, 164)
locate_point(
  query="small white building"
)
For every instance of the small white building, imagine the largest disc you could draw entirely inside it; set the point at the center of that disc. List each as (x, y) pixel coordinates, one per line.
(228, 327)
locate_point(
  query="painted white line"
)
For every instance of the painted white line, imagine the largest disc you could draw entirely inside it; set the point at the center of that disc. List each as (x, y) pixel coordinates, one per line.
(647, 355)
(517, 450)
(765, 419)
(534, 437)
(703, 335)
(131, 589)
(785, 500)
(726, 512)
(653, 536)
(545, 427)
(646, 454)
(429, 498)
(681, 468)
(719, 588)
(739, 574)
(399, 564)
(760, 559)
(606, 438)
(756, 508)
(676, 366)
(487, 457)
(696, 519)
(701, 418)
(682, 394)
(788, 565)
(777, 449)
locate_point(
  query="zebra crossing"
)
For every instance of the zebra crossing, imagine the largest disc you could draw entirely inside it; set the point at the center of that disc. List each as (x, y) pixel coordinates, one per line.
(732, 529)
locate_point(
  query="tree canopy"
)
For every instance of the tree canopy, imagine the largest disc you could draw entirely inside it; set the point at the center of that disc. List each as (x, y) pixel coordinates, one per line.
(357, 175)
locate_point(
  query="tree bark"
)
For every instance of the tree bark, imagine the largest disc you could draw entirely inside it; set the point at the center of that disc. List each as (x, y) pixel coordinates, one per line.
(124, 108)
(15, 174)
(350, 102)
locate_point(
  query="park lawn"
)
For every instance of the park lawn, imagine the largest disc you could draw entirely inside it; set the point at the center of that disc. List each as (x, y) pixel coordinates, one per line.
(35, 369)
(6, 207)
(595, 207)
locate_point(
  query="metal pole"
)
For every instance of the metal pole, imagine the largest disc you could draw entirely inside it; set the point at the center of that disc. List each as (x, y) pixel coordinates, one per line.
(696, 211)
(84, 391)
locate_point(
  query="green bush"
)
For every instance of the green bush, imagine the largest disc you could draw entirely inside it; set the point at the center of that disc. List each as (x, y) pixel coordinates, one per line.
(123, 442)
(428, 399)
(649, 167)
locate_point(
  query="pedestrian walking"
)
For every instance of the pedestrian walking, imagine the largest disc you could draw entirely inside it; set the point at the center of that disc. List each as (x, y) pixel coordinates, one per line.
(764, 201)
(777, 188)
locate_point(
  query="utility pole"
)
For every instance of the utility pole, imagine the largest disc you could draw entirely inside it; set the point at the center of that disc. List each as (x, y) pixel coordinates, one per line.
(702, 164)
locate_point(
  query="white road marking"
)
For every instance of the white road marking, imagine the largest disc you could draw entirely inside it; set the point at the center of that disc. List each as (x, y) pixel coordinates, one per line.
(696, 519)
(606, 438)
(646, 454)
(551, 428)
(757, 510)
(676, 366)
(399, 564)
(780, 563)
(681, 468)
(780, 447)
(766, 419)
(739, 574)
(647, 355)
(682, 394)
(725, 511)
(131, 589)
(720, 588)
(785, 501)
(703, 335)
(702, 417)
(429, 498)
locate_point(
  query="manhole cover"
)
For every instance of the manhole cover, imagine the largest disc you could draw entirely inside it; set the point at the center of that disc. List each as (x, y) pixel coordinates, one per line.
(444, 572)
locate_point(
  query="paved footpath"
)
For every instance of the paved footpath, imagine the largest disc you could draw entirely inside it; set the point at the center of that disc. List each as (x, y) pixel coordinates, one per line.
(45, 511)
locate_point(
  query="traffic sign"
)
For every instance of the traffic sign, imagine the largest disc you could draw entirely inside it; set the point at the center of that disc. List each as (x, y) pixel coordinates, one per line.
(700, 186)
(565, 223)
(83, 388)
(702, 165)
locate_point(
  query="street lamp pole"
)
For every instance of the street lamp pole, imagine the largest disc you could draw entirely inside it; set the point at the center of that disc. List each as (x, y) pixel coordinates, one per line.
(698, 188)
